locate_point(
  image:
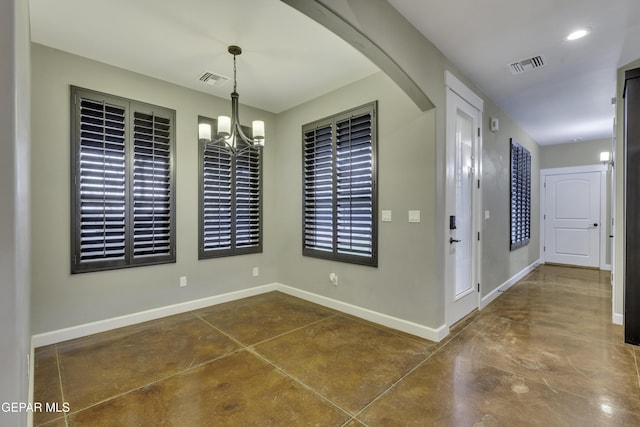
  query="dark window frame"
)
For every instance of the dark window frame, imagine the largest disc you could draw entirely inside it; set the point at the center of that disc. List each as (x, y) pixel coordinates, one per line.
(312, 244)
(158, 247)
(234, 249)
(520, 200)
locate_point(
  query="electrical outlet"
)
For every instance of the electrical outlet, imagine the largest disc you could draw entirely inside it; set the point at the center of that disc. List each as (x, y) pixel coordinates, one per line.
(183, 281)
(333, 278)
(256, 271)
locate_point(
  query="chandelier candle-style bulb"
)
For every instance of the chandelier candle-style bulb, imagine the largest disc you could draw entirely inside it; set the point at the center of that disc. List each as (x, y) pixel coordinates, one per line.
(258, 131)
(204, 131)
(224, 126)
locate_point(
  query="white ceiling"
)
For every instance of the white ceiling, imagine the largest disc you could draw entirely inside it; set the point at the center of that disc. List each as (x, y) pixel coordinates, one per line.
(567, 99)
(288, 59)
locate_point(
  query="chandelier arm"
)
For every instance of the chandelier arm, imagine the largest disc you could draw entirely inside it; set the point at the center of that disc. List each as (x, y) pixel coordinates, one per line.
(244, 137)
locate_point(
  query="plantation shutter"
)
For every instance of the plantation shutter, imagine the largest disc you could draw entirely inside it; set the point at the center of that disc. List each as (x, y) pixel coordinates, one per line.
(152, 193)
(520, 195)
(354, 193)
(339, 180)
(230, 198)
(248, 199)
(100, 183)
(123, 201)
(318, 189)
(216, 198)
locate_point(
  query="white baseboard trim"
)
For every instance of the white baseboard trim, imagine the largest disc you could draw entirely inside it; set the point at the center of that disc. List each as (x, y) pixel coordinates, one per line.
(370, 315)
(617, 319)
(606, 267)
(509, 283)
(73, 332)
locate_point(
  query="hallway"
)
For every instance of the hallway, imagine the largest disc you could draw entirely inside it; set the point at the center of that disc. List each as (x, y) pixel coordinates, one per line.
(544, 353)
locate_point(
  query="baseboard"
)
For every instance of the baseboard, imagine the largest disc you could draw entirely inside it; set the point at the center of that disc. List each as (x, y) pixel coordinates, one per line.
(370, 315)
(73, 332)
(606, 267)
(617, 319)
(509, 283)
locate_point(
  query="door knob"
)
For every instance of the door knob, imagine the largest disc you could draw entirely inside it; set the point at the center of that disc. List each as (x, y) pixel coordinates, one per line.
(595, 224)
(452, 240)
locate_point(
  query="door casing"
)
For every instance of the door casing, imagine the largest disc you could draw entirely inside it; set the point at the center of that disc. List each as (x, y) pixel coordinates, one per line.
(455, 88)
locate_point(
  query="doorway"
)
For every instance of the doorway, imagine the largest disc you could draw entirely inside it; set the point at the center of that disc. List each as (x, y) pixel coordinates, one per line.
(573, 216)
(463, 154)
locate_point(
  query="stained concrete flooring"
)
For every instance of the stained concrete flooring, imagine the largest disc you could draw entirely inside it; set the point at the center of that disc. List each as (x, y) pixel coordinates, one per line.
(543, 354)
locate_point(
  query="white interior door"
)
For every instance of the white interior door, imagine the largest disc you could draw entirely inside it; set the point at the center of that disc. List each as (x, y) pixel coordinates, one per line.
(572, 219)
(463, 167)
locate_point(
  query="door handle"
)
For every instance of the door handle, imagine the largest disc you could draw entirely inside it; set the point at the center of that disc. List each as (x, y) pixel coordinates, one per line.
(452, 240)
(595, 224)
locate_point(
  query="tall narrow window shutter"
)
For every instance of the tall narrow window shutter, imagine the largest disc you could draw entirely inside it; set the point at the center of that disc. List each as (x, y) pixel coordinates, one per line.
(101, 185)
(520, 195)
(230, 198)
(152, 191)
(248, 203)
(354, 152)
(318, 189)
(216, 198)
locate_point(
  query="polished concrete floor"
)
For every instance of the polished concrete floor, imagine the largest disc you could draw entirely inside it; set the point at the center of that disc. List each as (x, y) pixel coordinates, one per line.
(543, 354)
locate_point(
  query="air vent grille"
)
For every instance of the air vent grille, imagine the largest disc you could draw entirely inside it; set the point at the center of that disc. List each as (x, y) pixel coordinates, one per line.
(213, 79)
(525, 65)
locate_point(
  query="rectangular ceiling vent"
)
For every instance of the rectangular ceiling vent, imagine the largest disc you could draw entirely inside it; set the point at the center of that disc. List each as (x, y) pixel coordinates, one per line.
(213, 79)
(526, 65)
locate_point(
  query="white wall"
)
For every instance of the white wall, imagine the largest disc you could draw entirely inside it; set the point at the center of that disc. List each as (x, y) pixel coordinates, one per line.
(14, 213)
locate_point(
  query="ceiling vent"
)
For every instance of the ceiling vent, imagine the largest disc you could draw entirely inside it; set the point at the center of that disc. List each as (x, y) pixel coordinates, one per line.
(526, 65)
(213, 79)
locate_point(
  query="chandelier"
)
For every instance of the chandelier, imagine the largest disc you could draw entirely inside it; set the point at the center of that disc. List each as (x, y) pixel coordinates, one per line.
(229, 128)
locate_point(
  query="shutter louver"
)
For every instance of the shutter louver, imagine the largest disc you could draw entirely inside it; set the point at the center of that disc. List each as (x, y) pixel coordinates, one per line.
(151, 192)
(354, 193)
(247, 186)
(216, 233)
(318, 189)
(101, 181)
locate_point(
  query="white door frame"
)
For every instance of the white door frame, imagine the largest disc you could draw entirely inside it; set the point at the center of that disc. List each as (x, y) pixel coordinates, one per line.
(603, 205)
(455, 87)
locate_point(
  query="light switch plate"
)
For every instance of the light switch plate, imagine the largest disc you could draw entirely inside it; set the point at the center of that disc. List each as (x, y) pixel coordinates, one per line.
(487, 215)
(386, 216)
(414, 216)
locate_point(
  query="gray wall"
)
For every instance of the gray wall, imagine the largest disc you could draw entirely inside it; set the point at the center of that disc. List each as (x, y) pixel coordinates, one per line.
(574, 154)
(404, 283)
(409, 281)
(499, 263)
(14, 213)
(60, 299)
(425, 65)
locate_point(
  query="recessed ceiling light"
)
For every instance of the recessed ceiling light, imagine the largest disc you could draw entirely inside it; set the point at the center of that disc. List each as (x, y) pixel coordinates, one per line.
(578, 34)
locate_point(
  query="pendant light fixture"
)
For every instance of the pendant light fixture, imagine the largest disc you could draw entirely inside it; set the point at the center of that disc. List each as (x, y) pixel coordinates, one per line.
(229, 128)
